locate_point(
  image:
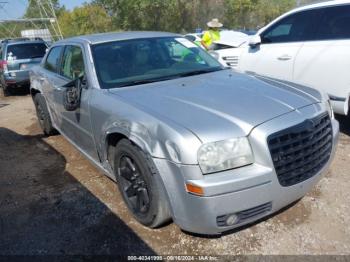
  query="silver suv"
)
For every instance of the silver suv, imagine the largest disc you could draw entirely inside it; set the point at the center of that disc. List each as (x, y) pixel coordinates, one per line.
(17, 56)
(185, 138)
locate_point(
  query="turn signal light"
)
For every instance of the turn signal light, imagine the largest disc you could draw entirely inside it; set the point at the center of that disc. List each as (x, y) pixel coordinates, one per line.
(196, 190)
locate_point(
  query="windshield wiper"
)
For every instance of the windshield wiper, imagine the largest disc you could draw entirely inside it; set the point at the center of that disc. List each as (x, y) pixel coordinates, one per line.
(199, 72)
(152, 80)
(143, 81)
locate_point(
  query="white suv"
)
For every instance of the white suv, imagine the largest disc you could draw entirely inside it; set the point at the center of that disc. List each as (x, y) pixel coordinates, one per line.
(309, 46)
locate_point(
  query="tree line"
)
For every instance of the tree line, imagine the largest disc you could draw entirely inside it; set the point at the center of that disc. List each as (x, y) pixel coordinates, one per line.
(178, 16)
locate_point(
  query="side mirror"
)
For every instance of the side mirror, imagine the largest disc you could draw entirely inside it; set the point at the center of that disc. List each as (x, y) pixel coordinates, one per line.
(72, 93)
(254, 41)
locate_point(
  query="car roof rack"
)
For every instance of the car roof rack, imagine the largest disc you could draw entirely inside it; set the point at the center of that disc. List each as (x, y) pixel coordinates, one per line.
(21, 39)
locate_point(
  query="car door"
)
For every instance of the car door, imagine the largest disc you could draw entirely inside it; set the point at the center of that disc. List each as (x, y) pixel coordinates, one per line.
(49, 79)
(324, 62)
(280, 44)
(76, 124)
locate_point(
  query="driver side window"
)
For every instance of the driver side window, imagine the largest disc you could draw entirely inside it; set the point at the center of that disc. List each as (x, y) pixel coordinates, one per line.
(293, 28)
(73, 63)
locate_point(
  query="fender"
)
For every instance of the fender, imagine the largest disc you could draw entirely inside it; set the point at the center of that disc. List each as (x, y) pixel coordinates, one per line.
(141, 138)
(34, 83)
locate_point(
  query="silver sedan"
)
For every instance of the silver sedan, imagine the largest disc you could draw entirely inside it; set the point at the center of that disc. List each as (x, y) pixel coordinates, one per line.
(185, 138)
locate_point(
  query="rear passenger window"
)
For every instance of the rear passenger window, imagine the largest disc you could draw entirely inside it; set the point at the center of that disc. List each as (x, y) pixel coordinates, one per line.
(26, 51)
(335, 23)
(293, 28)
(73, 62)
(53, 59)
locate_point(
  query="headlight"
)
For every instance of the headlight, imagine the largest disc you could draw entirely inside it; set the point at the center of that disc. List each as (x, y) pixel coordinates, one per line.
(330, 109)
(224, 155)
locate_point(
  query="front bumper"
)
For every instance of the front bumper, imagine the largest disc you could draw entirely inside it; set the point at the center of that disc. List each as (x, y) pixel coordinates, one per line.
(241, 189)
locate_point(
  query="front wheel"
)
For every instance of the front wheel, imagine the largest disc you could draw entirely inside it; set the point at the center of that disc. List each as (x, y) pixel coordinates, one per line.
(140, 185)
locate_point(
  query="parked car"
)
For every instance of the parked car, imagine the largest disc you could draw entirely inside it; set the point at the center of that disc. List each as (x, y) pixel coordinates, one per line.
(17, 56)
(195, 38)
(223, 48)
(229, 39)
(185, 138)
(248, 32)
(309, 45)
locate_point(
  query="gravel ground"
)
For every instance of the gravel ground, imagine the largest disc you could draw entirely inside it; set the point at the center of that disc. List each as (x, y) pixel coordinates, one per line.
(53, 201)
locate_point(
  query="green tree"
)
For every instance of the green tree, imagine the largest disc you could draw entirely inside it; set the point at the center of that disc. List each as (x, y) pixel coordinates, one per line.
(138, 14)
(252, 14)
(162, 15)
(239, 13)
(83, 20)
(267, 10)
(11, 29)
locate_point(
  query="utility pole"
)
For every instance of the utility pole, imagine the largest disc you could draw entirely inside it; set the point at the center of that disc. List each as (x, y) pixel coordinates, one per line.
(47, 17)
(7, 31)
(46, 8)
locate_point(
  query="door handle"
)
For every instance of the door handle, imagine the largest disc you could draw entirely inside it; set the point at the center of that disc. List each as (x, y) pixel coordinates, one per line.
(284, 58)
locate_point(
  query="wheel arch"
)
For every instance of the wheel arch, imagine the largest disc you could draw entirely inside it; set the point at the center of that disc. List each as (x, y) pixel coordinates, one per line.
(34, 91)
(113, 137)
(112, 140)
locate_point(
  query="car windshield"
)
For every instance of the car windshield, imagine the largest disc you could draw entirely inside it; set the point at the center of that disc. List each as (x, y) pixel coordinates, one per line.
(26, 51)
(140, 61)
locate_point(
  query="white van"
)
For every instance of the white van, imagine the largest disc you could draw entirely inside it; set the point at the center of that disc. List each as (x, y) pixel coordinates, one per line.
(308, 45)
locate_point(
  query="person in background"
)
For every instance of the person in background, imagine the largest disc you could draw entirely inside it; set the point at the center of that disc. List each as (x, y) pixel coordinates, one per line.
(212, 35)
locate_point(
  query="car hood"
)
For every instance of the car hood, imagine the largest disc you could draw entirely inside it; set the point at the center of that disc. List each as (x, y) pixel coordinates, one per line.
(220, 105)
(232, 38)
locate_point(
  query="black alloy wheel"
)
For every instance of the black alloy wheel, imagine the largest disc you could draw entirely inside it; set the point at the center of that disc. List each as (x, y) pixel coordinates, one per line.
(140, 185)
(134, 185)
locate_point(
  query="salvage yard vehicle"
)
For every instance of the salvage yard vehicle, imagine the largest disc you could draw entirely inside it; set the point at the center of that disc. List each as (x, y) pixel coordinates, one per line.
(223, 48)
(195, 38)
(17, 56)
(309, 46)
(185, 138)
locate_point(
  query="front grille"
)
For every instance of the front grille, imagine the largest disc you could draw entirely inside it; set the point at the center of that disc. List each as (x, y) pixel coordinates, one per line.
(247, 214)
(301, 151)
(231, 61)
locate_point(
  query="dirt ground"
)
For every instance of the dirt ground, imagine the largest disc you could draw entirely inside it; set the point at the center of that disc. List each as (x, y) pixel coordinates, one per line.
(53, 201)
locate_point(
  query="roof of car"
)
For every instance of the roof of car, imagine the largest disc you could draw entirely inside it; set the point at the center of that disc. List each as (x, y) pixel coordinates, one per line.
(116, 36)
(322, 4)
(26, 42)
(306, 7)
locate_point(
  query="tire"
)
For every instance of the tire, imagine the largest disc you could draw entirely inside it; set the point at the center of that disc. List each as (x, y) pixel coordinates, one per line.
(6, 91)
(43, 115)
(140, 185)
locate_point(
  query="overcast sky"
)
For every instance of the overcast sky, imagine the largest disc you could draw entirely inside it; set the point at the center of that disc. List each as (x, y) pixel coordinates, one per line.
(16, 8)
